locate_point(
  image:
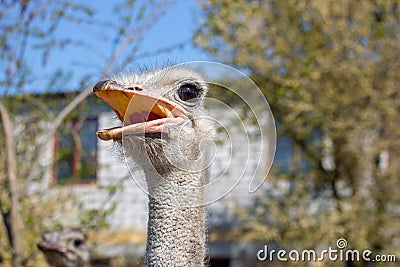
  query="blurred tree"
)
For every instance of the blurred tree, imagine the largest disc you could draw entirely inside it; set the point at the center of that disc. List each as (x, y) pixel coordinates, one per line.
(28, 122)
(330, 70)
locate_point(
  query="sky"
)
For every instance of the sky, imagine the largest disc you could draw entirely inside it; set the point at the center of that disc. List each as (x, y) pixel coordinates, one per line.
(176, 26)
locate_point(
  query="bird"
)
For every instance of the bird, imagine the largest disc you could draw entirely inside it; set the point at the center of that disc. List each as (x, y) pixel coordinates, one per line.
(165, 131)
(66, 248)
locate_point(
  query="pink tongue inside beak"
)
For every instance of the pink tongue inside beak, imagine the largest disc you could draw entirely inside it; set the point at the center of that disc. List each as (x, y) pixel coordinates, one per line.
(139, 117)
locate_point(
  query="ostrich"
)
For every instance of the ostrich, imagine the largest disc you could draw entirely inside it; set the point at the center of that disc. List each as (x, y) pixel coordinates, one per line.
(65, 248)
(164, 129)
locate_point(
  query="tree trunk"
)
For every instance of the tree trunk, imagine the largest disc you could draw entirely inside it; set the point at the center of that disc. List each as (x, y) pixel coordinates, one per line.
(13, 223)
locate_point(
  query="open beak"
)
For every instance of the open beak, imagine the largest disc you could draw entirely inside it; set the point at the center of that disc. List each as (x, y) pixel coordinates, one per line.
(139, 109)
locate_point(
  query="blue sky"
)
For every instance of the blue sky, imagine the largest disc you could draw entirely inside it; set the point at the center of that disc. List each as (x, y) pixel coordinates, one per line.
(176, 26)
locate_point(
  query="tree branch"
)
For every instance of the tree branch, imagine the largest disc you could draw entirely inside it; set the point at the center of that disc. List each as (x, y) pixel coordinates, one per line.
(147, 23)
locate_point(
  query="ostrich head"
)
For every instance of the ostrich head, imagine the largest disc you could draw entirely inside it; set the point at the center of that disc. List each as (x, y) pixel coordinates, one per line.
(164, 123)
(164, 131)
(65, 248)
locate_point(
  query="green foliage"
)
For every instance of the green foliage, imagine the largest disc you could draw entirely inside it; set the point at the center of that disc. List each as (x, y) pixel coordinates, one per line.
(330, 72)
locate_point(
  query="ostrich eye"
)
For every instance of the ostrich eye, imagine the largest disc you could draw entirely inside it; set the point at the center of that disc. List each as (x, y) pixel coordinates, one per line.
(77, 242)
(187, 92)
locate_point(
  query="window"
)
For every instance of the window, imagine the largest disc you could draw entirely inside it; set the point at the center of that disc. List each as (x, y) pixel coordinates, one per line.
(75, 151)
(289, 157)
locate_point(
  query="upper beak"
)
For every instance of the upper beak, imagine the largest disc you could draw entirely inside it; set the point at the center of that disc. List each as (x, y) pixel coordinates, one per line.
(135, 105)
(128, 102)
(44, 245)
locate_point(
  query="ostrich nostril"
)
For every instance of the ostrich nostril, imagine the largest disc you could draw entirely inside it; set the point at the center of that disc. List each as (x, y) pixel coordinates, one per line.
(135, 88)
